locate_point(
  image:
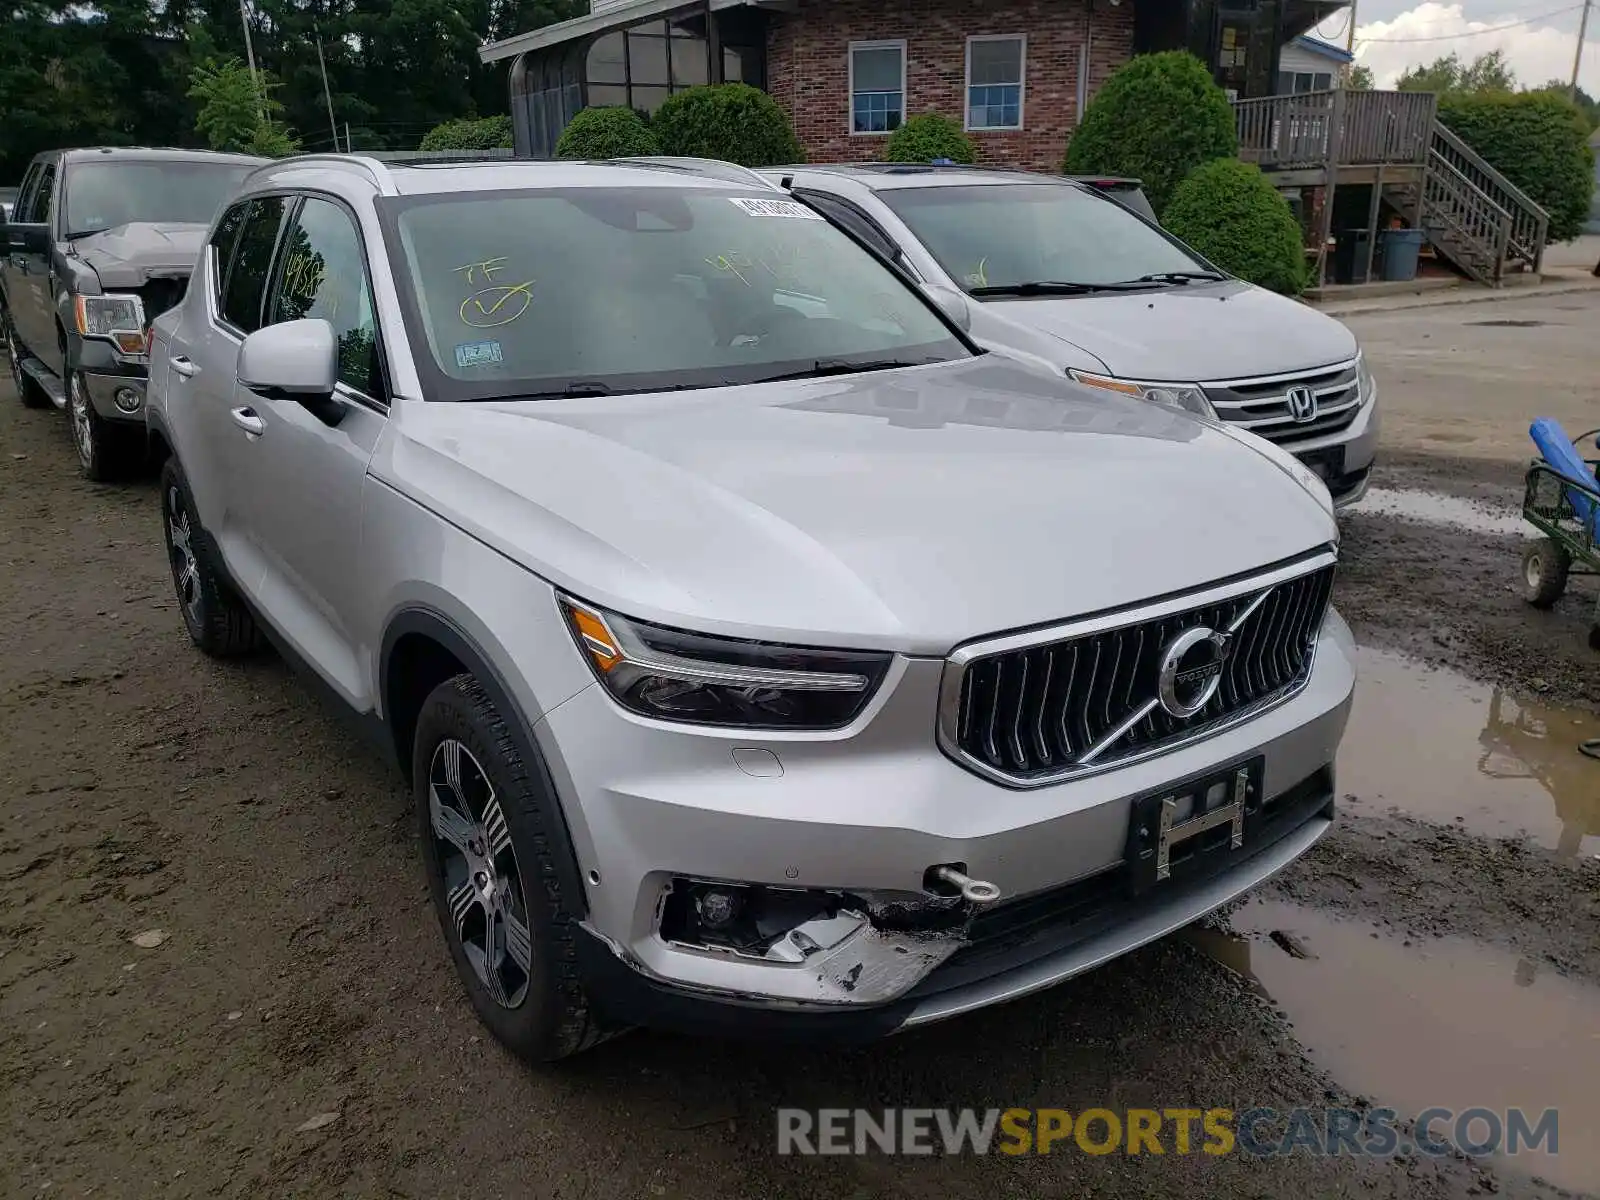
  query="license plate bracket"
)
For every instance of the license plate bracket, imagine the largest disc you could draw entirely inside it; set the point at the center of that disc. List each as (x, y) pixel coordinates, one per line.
(1173, 830)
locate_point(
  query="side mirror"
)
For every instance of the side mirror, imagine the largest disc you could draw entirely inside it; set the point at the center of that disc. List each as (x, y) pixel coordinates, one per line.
(952, 303)
(24, 238)
(293, 360)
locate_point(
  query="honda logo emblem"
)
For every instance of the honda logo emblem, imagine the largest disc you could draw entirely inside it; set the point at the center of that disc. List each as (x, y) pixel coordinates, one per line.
(1302, 404)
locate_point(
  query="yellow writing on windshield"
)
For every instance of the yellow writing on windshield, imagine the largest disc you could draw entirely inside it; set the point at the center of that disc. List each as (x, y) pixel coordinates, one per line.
(735, 264)
(496, 306)
(485, 269)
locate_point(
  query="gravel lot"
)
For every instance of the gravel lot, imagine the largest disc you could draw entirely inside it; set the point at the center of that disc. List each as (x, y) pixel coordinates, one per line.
(223, 813)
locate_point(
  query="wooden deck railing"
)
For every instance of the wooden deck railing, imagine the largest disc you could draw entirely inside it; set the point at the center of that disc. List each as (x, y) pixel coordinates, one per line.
(1339, 127)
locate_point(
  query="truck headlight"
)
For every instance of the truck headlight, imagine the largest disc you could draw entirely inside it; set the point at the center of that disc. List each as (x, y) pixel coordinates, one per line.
(118, 319)
(1186, 396)
(674, 675)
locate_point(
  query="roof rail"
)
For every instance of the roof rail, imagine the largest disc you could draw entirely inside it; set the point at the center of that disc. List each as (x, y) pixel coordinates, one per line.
(376, 170)
(712, 168)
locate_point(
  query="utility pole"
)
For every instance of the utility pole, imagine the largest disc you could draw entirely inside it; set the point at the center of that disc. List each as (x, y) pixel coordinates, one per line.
(1577, 56)
(326, 94)
(250, 53)
(1350, 29)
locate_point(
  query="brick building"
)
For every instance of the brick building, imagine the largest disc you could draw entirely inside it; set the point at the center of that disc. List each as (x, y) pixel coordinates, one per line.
(1017, 73)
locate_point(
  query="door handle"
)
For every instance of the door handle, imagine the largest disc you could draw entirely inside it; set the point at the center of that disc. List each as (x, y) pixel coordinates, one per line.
(183, 366)
(246, 419)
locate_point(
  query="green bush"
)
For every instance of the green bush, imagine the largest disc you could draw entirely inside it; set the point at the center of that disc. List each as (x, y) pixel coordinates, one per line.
(1156, 119)
(606, 133)
(468, 133)
(731, 121)
(930, 136)
(1229, 212)
(1536, 140)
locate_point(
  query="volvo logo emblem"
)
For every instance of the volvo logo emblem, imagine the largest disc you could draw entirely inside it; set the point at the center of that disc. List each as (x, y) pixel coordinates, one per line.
(1302, 404)
(1191, 670)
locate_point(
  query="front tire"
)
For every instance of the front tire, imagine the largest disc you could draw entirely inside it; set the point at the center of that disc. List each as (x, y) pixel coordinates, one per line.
(487, 830)
(217, 620)
(1545, 564)
(106, 452)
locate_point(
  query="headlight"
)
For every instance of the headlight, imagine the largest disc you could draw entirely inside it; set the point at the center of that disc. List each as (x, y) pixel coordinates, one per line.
(1186, 396)
(1366, 386)
(673, 675)
(116, 319)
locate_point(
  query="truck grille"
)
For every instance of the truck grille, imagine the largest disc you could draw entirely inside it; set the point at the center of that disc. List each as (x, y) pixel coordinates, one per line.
(1076, 703)
(1262, 405)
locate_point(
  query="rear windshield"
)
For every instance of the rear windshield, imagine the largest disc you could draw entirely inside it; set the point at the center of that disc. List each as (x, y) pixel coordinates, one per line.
(110, 194)
(1002, 234)
(597, 290)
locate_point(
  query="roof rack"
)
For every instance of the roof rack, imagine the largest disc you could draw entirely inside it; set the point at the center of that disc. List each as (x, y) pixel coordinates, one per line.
(374, 168)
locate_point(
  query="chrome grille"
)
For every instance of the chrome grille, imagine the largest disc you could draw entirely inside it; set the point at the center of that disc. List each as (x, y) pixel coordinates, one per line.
(1262, 405)
(1038, 709)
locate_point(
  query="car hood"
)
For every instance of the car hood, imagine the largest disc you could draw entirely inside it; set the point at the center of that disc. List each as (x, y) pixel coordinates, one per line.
(129, 255)
(908, 509)
(1193, 333)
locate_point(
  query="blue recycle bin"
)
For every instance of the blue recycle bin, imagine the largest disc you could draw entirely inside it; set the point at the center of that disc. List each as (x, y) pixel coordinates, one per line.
(1400, 249)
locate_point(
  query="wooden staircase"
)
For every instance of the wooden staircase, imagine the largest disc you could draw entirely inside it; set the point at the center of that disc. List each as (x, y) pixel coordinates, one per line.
(1473, 215)
(1394, 142)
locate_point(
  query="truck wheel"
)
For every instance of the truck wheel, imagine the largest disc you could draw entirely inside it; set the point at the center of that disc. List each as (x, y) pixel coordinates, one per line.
(1544, 572)
(217, 620)
(106, 451)
(29, 392)
(487, 825)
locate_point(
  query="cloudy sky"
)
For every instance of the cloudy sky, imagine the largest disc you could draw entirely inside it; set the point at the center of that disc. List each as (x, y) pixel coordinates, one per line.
(1539, 44)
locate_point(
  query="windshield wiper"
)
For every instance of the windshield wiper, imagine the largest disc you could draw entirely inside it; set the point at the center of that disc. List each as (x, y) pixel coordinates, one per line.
(844, 366)
(1058, 287)
(1177, 276)
(593, 387)
(83, 233)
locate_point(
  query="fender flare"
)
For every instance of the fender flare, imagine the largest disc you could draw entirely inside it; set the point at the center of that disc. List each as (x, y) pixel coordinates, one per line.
(434, 625)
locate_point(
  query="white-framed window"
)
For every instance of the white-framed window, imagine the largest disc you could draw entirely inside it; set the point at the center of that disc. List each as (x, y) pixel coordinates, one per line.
(877, 86)
(1290, 82)
(996, 66)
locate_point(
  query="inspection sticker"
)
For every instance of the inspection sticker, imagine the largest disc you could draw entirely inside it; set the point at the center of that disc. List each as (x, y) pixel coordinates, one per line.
(775, 208)
(478, 354)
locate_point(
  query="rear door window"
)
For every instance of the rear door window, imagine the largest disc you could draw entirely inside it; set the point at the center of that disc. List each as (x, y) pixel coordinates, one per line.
(246, 284)
(223, 242)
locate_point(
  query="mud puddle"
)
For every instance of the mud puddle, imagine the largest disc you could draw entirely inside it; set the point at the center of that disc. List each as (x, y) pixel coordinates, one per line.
(1444, 1023)
(1437, 508)
(1437, 745)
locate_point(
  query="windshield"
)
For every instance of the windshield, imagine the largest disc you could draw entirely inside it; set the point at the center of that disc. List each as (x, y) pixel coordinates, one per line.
(105, 195)
(595, 290)
(1005, 234)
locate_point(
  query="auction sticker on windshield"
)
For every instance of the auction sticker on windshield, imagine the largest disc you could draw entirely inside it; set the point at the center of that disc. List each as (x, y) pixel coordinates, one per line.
(775, 208)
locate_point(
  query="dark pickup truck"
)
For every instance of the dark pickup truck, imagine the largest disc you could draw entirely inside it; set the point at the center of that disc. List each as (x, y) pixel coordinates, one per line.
(99, 243)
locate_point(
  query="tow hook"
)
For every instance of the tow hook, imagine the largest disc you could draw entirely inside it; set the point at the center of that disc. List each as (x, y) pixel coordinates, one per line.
(973, 891)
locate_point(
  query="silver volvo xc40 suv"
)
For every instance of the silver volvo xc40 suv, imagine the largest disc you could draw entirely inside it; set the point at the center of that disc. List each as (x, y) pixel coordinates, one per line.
(762, 655)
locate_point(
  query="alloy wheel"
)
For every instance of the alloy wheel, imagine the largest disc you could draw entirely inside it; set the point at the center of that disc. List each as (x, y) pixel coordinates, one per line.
(482, 882)
(82, 421)
(185, 566)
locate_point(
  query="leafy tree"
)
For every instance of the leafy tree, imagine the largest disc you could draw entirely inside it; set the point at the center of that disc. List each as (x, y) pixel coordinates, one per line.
(1156, 119)
(1360, 78)
(927, 137)
(1586, 103)
(1448, 75)
(1538, 141)
(487, 133)
(236, 115)
(607, 132)
(731, 121)
(1230, 212)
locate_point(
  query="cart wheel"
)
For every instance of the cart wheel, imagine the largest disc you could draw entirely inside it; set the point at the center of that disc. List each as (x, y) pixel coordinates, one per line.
(1544, 572)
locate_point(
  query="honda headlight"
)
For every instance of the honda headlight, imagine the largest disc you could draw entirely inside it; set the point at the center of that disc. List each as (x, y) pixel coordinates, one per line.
(118, 319)
(1366, 386)
(674, 675)
(1186, 396)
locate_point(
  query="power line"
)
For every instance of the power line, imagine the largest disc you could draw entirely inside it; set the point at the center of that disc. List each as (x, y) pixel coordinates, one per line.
(1449, 37)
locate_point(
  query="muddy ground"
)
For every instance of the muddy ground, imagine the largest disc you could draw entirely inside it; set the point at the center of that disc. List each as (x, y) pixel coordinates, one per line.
(301, 972)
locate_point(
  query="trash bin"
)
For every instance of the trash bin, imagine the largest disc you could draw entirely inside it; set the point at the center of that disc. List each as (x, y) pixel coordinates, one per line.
(1400, 250)
(1350, 255)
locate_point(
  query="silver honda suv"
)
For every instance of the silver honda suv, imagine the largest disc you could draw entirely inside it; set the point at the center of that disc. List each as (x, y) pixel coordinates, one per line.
(762, 655)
